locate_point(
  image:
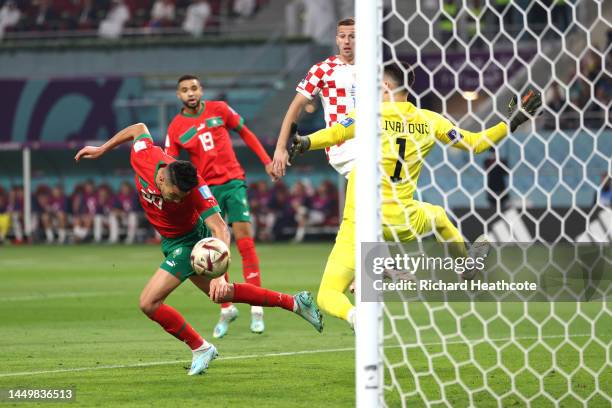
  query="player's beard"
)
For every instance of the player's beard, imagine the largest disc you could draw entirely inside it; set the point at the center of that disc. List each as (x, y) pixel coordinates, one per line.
(195, 104)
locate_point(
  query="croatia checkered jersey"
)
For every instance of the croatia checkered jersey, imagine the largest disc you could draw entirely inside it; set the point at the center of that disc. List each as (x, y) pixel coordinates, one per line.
(170, 219)
(206, 138)
(334, 82)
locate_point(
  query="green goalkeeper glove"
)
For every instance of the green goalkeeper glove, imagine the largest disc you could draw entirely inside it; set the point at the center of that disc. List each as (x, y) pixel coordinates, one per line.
(299, 144)
(530, 104)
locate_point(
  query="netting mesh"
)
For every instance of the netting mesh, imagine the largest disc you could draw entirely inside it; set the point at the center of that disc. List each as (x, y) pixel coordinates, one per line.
(545, 183)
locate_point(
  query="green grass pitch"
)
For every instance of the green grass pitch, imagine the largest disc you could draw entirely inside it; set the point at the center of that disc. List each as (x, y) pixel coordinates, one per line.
(69, 318)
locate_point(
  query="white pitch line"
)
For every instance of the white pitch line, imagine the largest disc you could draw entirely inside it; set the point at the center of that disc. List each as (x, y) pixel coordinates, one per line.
(155, 363)
(267, 355)
(60, 295)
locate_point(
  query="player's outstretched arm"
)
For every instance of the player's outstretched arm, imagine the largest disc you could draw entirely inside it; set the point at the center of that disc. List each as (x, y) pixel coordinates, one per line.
(479, 142)
(281, 155)
(338, 133)
(255, 145)
(129, 133)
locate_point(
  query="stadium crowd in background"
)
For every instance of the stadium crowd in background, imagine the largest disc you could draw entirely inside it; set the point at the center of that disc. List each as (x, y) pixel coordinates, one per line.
(110, 17)
(98, 213)
(579, 92)
(282, 212)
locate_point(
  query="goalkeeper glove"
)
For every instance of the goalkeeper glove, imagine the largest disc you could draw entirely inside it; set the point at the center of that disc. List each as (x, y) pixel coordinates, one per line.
(299, 144)
(530, 104)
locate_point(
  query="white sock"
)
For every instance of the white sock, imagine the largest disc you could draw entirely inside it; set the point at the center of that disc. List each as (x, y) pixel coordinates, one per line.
(61, 235)
(299, 234)
(203, 347)
(49, 235)
(257, 310)
(352, 317)
(229, 309)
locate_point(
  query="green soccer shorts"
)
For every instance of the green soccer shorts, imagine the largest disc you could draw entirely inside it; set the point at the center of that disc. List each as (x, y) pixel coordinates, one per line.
(178, 251)
(232, 198)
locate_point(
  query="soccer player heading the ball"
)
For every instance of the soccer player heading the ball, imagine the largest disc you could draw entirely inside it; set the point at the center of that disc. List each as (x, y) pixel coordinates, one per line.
(202, 129)
(181, 207)
(407, 136)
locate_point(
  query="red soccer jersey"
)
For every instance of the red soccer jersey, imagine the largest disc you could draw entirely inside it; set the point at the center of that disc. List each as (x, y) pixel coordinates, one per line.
(169, 219)
(206, 138)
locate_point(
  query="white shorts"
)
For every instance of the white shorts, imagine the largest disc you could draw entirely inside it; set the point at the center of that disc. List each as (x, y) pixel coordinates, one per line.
(342, 158)
(343, 168)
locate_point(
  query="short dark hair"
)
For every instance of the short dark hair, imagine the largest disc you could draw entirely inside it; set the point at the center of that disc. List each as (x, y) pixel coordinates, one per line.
(183, 174)
(347, 22)
(400, 72)
(187, 77)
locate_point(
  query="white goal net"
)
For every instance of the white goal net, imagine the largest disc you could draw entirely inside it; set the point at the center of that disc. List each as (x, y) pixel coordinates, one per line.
(546, 183)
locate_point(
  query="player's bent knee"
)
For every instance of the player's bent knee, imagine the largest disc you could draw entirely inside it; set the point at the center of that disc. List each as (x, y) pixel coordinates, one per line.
(147, 306)
(440, 217)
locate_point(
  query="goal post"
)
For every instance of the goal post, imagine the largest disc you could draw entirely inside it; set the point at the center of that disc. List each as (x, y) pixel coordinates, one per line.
(368, 333)
(543, 197)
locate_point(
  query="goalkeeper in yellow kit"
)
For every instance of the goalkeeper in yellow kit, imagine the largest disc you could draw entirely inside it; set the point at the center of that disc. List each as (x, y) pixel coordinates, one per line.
(407, 136)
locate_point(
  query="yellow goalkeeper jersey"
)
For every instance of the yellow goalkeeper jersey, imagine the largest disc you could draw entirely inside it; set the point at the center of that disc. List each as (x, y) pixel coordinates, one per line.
(407, 136)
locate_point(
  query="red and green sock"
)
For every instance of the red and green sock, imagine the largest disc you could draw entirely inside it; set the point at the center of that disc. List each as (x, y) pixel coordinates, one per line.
(250, 261)
(257, 296)
(175, 324)
(250, 264)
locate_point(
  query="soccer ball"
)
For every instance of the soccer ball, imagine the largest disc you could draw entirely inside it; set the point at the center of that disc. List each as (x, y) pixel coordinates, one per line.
(210, 257)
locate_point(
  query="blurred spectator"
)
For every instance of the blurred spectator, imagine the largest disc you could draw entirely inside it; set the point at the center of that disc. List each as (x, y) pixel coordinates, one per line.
(497, 186)
(325, 202)
(42, 213)
(300, 203)
(259, 199)
(9, 16)
(43, 16)
(16, 210)
(281, 212)
(244, 8)
(89, 14)
(77, 205)
(590, 65)
(55, 217)
(446, 20)
(508, 16)
(5, 215)
(127, 204)
(321, 210)
(579, 90)
(162, 14)
(106, 217)
(346, 8)
(603, 85)
(555, 100)
(84, 208)
(195, 17)
(112, 26)
(561, 15)
(605, 195)
(50, 206)
(320, 21)
(471, 25)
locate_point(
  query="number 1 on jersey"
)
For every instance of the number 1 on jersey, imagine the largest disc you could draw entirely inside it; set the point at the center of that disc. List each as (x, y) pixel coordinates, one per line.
(399, 164)
(207, 141)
